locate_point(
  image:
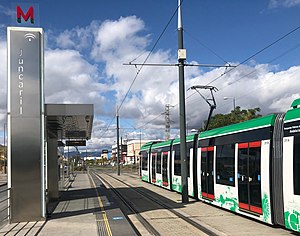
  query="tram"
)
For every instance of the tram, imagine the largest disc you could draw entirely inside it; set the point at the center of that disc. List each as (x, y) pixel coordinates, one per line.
(251, 168)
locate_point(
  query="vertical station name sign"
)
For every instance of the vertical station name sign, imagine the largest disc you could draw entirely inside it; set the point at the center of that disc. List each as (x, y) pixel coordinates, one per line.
(25, 117)
(25, 70)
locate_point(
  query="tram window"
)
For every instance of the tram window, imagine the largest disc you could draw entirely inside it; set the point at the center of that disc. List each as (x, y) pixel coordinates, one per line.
(225, 165)
(297, 165)
(177, 161)
(188, 165)
(165, 161)
(144, 160)
(188, 158)
(158, 163)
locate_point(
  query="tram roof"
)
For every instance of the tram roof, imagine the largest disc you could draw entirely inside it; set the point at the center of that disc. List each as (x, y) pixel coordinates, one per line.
(189, 138)
(294, 112)
(257, 123)
(162, 144)
(146, 146)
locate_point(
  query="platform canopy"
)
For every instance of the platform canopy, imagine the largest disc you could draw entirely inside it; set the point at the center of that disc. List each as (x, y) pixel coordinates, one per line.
(69, 121)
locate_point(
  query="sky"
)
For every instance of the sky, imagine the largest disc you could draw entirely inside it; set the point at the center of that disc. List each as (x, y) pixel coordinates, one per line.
(88, 42)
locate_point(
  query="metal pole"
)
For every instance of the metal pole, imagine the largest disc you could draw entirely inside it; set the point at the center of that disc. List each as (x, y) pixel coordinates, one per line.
(68, 163)
(233, 103)
(4, 152)
(140, 156)
(121, 150)
(118, 144)
(181, 59)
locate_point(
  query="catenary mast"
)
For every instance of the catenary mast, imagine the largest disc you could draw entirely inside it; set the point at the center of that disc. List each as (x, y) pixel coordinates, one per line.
(181, 60)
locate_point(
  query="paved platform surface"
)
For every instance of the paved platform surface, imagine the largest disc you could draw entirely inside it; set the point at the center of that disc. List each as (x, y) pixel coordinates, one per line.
(86, 210)
(217, 220)
(82, 210)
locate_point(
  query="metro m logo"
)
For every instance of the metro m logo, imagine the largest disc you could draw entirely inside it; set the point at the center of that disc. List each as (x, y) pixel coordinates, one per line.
(29, 13)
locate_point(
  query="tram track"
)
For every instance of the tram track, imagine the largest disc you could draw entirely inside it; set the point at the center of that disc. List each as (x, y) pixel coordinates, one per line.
(173, 214)
(130, 207)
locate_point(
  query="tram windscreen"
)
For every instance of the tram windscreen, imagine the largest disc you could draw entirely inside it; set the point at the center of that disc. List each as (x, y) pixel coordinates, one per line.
(297, 164)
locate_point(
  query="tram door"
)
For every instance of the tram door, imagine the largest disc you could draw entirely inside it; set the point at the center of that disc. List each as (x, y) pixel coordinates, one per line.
(249, 177)
(207, 173)
(153, 164)
(165, 169)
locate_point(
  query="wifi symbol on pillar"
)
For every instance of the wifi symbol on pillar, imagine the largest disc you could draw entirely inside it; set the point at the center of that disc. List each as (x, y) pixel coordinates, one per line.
(29, 36)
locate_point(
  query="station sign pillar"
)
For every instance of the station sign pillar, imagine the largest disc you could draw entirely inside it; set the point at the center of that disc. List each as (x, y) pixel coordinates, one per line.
(26, 154)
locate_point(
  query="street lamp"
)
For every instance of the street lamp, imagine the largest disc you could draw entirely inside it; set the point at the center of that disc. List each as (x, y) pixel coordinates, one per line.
(233, 99)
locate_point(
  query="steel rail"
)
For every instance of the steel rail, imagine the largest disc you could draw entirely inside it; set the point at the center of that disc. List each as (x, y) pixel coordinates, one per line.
(178, 214)
(131, 207)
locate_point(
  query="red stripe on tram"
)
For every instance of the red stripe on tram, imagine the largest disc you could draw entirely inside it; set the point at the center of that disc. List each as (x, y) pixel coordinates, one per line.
(256, 209)
(244, 206)
(243, 145)
(255, 144)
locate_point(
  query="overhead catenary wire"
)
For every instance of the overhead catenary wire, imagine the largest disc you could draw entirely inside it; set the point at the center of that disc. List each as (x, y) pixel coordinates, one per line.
(255, 54)
(241, 63)
(274, 59)
(251, 72)
(141, 67)
(226, 72)
(148, 122)
(250, 57)
(275, 80)
(149, 54)
(107, 128)
(203, 45)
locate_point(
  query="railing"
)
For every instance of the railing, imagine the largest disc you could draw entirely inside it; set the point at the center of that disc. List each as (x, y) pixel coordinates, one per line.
(4, 208)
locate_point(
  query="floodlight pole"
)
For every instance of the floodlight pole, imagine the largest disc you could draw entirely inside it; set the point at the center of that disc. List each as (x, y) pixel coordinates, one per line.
(181, 59)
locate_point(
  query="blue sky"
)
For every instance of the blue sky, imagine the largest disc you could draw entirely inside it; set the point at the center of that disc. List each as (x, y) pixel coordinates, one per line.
(87, 43)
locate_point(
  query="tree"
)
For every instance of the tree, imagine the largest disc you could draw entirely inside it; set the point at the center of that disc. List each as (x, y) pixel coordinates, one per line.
(235, 116)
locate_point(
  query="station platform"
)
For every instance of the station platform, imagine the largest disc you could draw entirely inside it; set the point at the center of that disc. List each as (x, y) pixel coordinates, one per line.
(88, 207)
(83, 209)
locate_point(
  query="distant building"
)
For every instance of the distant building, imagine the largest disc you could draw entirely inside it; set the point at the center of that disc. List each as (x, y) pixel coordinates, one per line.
(3, 159)
(133, 151)
(123, 152)
(104, 154)
(130, 151)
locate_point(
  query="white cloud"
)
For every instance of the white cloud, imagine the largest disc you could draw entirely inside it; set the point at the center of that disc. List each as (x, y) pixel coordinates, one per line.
(119, 38)
(76, 38)
(7, 11)
(72, 77)
(156, 87)
(283, 3)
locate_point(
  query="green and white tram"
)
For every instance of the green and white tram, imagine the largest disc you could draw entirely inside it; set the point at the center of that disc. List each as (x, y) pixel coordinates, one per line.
(251, 168)
(234, 167)
(291, 167)
(191, 157)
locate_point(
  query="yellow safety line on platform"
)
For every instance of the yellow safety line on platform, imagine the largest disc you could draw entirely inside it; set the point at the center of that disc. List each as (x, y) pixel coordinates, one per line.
(102, 210)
